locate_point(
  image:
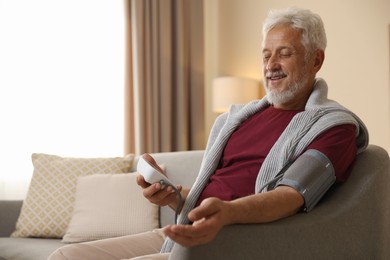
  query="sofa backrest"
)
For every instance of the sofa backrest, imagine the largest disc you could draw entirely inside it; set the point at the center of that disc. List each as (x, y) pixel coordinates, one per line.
(181, 168)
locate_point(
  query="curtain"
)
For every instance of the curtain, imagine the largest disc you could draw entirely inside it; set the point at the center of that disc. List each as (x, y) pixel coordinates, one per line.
(165, 81)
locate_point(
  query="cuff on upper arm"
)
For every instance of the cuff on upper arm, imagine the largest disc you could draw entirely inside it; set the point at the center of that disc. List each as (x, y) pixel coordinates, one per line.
(312, 174)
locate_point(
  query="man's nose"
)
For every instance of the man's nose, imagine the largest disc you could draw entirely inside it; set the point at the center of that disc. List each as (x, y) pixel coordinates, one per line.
(273, 63)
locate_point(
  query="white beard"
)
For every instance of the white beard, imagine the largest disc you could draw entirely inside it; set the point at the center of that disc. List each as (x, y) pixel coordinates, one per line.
(282, 97)
(276, 97)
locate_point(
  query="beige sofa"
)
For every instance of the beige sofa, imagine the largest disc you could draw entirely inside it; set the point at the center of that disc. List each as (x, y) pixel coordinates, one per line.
(351, 222)
(181, 167)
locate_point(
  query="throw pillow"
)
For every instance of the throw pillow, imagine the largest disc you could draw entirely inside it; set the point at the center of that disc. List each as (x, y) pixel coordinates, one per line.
(109, 205)
(48, 206)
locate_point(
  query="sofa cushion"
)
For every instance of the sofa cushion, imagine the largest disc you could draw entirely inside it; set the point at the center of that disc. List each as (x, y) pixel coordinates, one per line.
(28, 248)
(48, 207)
(109, 205)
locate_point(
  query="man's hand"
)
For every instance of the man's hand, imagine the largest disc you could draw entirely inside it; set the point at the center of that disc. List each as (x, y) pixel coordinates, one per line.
(213, 214)
(208, 219)
(158, 194)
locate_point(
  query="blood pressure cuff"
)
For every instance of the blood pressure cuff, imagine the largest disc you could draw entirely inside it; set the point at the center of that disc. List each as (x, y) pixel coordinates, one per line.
(312, 174)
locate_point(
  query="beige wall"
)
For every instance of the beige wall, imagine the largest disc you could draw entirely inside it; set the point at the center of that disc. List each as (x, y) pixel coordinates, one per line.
(357, 57)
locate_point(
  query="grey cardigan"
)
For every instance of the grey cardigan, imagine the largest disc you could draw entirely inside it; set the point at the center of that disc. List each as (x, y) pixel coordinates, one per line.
(320, 114)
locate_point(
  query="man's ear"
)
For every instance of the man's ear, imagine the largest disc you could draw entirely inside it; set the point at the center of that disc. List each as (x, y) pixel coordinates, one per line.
(319, 58)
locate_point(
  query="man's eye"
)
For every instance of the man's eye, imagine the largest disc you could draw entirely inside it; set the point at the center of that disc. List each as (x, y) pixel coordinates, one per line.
(266, 57)
(286, 54)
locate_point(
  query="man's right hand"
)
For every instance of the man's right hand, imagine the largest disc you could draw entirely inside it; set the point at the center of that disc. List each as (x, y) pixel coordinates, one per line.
(159, 194)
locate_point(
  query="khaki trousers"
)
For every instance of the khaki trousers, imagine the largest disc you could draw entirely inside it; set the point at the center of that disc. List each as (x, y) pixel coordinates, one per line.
(140, 246)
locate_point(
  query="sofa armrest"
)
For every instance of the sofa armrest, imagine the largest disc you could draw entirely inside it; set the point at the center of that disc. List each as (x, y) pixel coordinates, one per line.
(351, 222)
(9, 213)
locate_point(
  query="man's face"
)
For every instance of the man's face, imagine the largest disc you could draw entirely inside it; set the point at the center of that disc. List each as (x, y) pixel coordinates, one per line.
(286, 73)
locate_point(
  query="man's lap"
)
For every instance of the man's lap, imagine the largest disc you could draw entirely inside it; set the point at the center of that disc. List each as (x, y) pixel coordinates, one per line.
(126, 247)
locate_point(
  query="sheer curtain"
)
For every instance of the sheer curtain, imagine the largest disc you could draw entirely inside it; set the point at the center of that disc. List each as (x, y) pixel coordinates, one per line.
(165, 86)
(61, 84)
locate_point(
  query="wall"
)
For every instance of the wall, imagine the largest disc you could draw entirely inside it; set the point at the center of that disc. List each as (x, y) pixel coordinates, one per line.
(357, 57)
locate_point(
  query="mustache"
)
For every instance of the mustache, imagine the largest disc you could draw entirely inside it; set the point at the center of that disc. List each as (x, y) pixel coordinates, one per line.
(277, 73)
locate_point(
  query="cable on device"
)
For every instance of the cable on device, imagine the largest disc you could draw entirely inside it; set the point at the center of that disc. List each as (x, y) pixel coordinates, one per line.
(179, 198)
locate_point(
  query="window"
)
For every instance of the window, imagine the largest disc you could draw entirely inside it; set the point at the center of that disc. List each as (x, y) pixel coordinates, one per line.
(61, 83)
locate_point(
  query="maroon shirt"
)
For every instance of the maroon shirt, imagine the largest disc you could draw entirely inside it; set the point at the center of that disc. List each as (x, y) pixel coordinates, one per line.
(248, 146)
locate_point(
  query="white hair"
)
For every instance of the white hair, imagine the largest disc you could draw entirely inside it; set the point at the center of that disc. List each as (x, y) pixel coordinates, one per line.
(309, 23)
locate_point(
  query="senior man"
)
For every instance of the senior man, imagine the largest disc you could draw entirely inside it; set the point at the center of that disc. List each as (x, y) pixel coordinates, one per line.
(260, 156)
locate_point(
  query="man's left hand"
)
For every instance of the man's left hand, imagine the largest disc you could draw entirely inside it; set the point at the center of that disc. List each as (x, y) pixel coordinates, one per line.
(208, 219)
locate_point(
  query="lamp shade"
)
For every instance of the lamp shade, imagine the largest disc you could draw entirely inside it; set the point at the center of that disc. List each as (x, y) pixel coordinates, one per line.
(233, 90)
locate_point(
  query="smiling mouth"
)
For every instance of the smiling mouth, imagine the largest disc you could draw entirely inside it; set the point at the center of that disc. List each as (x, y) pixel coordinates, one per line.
(275, 75)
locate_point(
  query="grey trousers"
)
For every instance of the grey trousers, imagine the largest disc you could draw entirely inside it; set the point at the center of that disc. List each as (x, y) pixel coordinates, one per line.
(140, 246)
